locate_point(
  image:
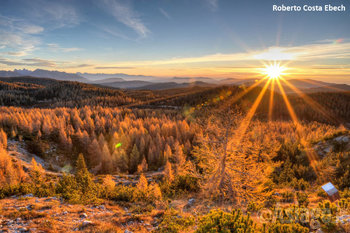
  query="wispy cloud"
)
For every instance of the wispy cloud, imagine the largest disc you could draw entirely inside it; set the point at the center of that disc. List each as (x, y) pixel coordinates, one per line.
(16, 43)
(213, 4)
(30, 28)
(17, 36)
(56, 48)
(56, 13)
(19, 25)
(114, 32)
(164, 13)
(10, 63)
(113, 67)
(43, 63)
(39, 62)
(124, 13)
(316, 51)
(79, 66)
(36, 62)
(309, 52)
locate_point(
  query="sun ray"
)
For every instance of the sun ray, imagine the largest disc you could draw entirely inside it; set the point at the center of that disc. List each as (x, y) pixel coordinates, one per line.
(240, 132)
(289, 106)
(313, 104)
(323, 86)
(311, 154)
(272, 92)
(240, 95)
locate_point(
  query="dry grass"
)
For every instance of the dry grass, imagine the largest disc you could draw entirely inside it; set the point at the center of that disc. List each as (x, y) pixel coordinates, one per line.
(48, 215)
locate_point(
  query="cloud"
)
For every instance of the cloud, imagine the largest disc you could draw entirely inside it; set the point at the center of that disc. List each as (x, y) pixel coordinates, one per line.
(18, 36)
(30, 29)
(315, 51)
(213, 4)
(28, 62)
(19, 25)
(39, 62)
(114, 32)
(56, 48)
(114, 67)
(56, 13)
(19, 44)
(124, 13)
(164, 13)
(11, 63)
(79, 66)
(302, 53)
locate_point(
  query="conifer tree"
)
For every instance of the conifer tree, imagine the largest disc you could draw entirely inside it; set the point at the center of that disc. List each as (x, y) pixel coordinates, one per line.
(84, 180)
(168, 173)
(81, 168)
(3, 139)
(134, 159)
(143, 167)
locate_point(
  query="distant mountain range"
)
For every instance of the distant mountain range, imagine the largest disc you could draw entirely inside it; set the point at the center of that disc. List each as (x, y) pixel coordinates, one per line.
(39, 73)
(125, 81)
(310, 86)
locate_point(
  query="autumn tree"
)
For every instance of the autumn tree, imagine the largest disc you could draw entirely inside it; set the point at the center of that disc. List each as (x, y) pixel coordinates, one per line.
(168, 173)
(11, 173)
(37, 172)
(134, 159)
(108, 184)
(228, 174)
(179, 159)
(143, 166)
(3, 139)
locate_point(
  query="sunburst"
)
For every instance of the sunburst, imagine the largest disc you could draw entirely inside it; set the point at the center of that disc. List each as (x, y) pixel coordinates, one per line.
(274, 71)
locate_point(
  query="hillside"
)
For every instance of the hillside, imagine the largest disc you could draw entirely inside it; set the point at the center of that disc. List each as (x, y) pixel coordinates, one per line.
(43, 92)
(84, 157)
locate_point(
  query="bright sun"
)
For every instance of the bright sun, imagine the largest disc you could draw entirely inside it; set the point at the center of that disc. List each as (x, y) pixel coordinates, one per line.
(274, 71)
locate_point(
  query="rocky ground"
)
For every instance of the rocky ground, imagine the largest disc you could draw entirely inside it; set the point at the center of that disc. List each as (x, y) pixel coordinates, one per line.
(31, 214)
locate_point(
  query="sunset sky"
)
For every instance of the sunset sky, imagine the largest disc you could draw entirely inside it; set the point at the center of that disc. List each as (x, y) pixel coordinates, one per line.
(211, 38)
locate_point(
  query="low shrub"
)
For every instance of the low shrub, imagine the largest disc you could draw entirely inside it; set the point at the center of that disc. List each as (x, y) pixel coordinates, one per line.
(220, 221)
(303, 199)
(173, 222)
(284, 228)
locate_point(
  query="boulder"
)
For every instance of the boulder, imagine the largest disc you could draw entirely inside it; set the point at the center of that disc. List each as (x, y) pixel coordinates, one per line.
(86, 223)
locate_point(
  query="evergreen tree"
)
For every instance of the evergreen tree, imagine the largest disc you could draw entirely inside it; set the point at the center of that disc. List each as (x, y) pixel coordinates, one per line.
(168, 173)
(134, 159)
(81, 168)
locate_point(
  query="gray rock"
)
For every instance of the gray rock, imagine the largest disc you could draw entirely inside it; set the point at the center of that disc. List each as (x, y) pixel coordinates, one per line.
(127, 231)
(341, 139)
(191, 201)
(28, 195)
(86, 223)
(102, 207)
(52, 199)
(328, 149)
(23, 229)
